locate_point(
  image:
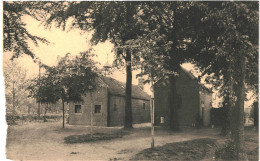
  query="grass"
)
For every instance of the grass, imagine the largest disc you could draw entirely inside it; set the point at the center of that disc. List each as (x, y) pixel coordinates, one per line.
(199, 149)
(252, 143)
(189, 150)
(72, 139)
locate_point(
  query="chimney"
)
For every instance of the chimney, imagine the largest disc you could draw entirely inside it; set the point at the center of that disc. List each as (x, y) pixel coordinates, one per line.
(141, 83)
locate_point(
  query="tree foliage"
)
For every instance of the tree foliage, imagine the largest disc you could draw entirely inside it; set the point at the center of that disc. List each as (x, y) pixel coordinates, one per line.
(69, 80)
(169, 29)
(220, 37)
(228, 48)
(15, 87)
(15, 35)
(228, 29)
(114, 21)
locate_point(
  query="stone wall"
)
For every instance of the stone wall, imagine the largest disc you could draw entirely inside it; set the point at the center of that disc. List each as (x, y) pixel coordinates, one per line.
(141, 112)
(99, 97)
(161, 104)
(189, 108)
(117, 111)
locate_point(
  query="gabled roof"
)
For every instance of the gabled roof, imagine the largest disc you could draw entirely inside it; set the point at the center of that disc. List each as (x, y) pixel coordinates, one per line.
(116, 87)
(192, 77)
(188, 73)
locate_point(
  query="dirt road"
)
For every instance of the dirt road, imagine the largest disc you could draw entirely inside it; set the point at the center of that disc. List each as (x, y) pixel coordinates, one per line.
(44, 141)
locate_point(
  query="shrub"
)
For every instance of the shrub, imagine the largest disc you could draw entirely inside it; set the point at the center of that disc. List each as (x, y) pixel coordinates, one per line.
(11, 119)
(96, 137)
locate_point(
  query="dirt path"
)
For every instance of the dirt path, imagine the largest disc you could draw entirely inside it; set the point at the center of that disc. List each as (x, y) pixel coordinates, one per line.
(44, 141)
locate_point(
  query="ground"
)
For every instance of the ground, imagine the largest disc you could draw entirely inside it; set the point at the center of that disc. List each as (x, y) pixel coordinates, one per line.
(45, 141)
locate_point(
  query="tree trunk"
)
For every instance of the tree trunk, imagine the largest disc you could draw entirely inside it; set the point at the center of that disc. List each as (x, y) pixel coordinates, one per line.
(29, 110)
(239, 110)
(39, 111)
(255, 114)
(226, 115)
(128, 91)
(13, 92)
(45, 111)
(13, 110)
(63, 114)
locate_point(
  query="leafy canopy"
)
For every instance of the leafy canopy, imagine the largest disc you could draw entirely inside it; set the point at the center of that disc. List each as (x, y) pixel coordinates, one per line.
(69, 80)
(15, 34)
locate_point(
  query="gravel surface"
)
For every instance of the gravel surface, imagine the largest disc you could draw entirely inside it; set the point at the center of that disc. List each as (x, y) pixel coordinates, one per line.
(45, 141)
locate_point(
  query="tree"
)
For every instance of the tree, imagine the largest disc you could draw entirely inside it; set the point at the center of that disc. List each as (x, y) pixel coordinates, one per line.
(231, 48)
(221, 38)
(114, 21)
(15, 86)
(163, 48)
(15, 34)
(68, 81)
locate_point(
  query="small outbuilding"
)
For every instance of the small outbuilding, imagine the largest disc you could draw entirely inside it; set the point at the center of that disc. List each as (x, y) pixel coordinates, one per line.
(106, 105)
(194, 101)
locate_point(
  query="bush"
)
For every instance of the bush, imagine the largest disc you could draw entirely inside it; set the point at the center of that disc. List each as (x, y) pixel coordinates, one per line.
(96, 137)
(227, 151)
(12, 119)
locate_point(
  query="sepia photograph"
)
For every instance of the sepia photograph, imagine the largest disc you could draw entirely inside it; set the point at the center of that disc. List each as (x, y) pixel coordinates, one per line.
(130, 80)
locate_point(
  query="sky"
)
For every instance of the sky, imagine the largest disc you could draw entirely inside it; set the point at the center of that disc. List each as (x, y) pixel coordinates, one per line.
(62, 42)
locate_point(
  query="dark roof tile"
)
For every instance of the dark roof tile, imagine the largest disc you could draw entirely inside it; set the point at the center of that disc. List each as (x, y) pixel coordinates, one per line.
(116, 87)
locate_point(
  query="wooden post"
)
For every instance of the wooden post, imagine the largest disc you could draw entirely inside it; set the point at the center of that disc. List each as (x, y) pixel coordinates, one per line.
(152, 113)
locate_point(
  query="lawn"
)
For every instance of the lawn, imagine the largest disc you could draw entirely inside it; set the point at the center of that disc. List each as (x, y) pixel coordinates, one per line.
(73, 139)
(252, 143)
(199, 149)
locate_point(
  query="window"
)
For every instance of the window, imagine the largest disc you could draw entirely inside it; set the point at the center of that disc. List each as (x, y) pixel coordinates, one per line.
(202, 103)
(115, 107)
(97, 108)
(77, 108)
(143, 106)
